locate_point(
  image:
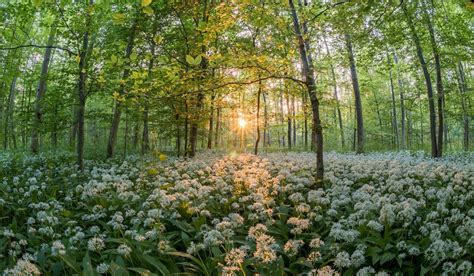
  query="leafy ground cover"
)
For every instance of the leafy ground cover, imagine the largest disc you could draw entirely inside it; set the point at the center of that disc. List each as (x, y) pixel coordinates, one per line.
(376, 214)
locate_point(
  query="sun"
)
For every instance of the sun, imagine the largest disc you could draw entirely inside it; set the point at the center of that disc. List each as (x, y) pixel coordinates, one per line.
(242, 122)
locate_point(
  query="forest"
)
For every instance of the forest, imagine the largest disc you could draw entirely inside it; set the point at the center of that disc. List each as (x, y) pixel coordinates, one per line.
(244, 137)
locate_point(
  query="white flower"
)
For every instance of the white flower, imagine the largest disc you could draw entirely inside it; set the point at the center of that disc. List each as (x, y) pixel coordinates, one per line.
(124, 250)
(102, 268)
(58, 248)
(95, 244)
(343, 259)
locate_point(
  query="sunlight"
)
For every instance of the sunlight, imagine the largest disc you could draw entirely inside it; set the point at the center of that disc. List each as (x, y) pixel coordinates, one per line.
(242, 122)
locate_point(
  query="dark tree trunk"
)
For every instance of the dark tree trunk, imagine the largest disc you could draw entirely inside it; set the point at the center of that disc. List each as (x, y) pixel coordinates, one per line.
(40, 92)
(118, 105)
(305, 55)
(358, 101)
(83, 55)
(439, 82)
(429, 87)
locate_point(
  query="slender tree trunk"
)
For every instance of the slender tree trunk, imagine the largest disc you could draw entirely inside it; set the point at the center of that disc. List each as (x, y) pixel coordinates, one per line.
(429, 87)
(258, 117)
(218, 126)
(394, 109)
(211, 123)
(118, 105)
(9, 115)
(305, 55)
(358, 101)
(288, 117)
(125, 135)
(463, 91)
(83, 55)
(178, 134)
(293, 108)
(40, 92)
(439, 82)
(336, 98)
(265, 121)
(186, 136)
(403, 139)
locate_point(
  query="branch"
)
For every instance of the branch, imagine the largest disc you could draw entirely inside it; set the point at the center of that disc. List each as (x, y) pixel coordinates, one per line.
(328, 8)
(39, 46)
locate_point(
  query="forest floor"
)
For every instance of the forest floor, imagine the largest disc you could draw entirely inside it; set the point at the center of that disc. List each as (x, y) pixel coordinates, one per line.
(237, 214)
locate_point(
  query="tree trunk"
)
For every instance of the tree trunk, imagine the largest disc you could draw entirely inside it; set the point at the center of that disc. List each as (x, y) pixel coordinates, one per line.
(186, 136)
(394, 110)
(463, 91)
(258, 117)
(305, 55)
(439, 81)
(429, 87)
(83, 55)
(40, 92)
(288, 117)
(403, 139)
(9, 115)
(218, 126)
(211, 123)
(358, 101)
(118, 105)
(178, 134)
(336, 98)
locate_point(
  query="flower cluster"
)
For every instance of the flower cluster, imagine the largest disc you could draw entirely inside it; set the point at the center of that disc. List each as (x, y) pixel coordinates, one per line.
(238, 214)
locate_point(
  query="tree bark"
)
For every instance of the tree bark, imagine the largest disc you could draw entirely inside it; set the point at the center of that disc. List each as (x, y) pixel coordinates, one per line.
(83, 55)
(305, 55)
(118, 105)
(358, 101)
(429, 87)
(40, 92)
(463, 91)
(403, 140)
(9, 125)
(258, 117)
(394, 109)
(439, 82)
(336, 97)
(211, 123)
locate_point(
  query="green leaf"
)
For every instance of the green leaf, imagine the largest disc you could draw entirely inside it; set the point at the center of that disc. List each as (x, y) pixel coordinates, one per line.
(133, 56)
(113, 59)
(388, 256)
(69, 261)
(192, 258)
(141, 271)
(198, 60)
(118, 18)
(148, 10)
(37, 3)
(145, 3)
(157, 264)
(118, 270)
(189, 60)
(87, 269)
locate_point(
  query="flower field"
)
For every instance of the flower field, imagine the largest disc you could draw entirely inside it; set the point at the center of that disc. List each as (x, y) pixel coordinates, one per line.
(375, 214)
